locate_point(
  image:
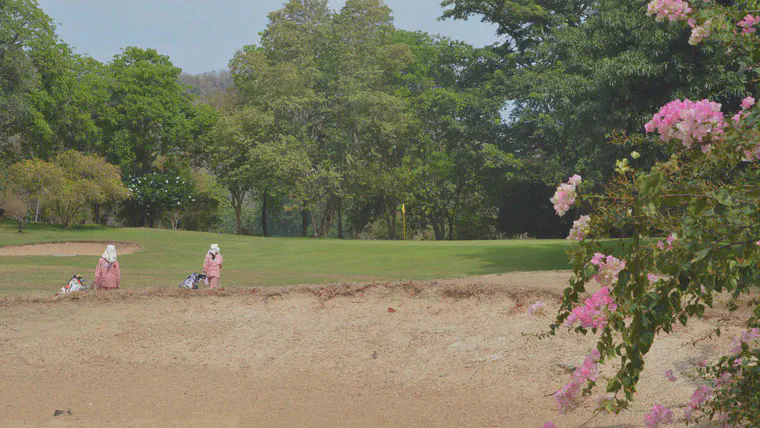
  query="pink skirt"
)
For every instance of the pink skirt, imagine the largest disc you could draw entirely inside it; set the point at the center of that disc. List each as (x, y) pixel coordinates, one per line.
(213, 282)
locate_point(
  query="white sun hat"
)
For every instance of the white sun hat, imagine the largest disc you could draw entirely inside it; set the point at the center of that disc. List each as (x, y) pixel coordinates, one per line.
(110, 254)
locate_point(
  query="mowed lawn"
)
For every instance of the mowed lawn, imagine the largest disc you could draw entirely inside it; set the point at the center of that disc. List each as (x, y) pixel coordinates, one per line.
(167, 257)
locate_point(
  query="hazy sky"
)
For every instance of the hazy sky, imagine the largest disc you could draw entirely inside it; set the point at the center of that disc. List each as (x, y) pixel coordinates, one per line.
(203, 35)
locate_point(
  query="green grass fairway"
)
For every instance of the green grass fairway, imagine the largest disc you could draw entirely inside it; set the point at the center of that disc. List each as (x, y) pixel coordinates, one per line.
(168, 257)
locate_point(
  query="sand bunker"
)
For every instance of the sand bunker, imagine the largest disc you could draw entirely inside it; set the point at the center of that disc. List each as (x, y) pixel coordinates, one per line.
(448, 355)
(62, 249)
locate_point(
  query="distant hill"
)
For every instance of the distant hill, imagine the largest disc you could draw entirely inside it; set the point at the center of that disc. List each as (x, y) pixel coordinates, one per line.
(208, 83)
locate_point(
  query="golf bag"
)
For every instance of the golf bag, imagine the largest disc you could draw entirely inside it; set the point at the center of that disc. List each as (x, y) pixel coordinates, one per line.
(191, 283)
(76, 283)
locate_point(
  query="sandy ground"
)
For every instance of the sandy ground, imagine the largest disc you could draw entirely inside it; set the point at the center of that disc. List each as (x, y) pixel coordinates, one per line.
(453, 354)
(67, 249)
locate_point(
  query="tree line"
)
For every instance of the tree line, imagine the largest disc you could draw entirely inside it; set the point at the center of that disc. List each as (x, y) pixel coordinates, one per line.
(336, 118)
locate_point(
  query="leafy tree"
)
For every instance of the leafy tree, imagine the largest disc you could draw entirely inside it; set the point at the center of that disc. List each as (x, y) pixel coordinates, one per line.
(163, 194)
(32, 182)
(238, 131)
(564, 65)
(14, 207)
(453, 160)
(149, 112)
(85, 180)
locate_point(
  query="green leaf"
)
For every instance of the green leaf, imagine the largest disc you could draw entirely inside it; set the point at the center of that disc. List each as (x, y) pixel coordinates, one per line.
(700, 255)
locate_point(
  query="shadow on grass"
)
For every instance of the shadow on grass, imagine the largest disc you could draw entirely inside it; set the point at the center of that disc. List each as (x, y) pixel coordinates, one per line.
(519, 259)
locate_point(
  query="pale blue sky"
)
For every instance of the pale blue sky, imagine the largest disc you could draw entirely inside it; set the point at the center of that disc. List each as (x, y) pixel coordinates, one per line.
(202, 35)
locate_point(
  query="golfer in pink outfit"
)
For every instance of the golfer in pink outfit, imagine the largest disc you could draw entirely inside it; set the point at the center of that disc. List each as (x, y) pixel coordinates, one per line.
(107, 274)
(212, 266)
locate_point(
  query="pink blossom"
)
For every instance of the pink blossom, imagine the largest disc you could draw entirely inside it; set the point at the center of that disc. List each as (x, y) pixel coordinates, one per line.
(659, 415)
(595, 310)
(687, 414)
(536, 308)
(564, 197)
(549, 425)
(652, 278)
(670, 376)
(670, 241)
(581, 229)
(702, 363)
(598, 257)
(723, 380)
(700, 396)
(748, 24)
(687, 121)
(673, 10)
(747, 103)
(609, 269)
(748, 337)
(567, 396)
(699, 33)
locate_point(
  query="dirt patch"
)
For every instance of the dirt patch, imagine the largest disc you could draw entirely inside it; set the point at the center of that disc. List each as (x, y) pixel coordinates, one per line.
(63, 249)
(449, 354)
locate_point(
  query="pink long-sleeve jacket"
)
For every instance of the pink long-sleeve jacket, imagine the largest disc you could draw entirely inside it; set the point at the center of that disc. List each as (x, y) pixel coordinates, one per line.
(212, 267)
(107, 275)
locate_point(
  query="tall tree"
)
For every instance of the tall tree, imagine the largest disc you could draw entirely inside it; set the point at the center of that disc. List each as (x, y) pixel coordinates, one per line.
(150, 111)
(454, 158)
(565, 64)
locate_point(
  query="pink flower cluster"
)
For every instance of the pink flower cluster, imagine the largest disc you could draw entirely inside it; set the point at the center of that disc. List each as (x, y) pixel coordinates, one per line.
(670, 241)
(673, 10)
(748, 24)
(688, 121)
(595, 310)
(567, 396)
(609, 269)
(652, 278)
(747, 337)
(752, 153)
(659, 415)
(698, 398)
(747, 103)
(581, 229)
(549, 425)
(564, 197)
(536, 308)
(670, 376)
(699, 32)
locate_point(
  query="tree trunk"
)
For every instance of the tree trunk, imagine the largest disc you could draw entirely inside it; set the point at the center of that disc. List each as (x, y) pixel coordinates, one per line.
(390, 222)
(238, 219)
(394, 224)
(451, 228)
(304, 223)
(314, 226)
(96, 213)
(37, 212)
(340, 219)
(438, 229)
(264, 214)
(236, 199)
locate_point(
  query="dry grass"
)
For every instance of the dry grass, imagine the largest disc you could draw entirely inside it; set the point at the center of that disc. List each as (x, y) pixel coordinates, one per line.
(456, 291)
